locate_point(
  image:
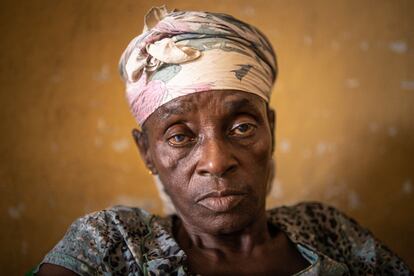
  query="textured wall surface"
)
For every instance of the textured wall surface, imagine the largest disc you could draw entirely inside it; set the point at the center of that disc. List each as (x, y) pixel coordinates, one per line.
(344, 99)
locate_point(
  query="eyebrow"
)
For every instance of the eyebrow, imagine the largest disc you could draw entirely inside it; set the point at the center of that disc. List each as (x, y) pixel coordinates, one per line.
(178, 108)
(183, 107)
(237, 105)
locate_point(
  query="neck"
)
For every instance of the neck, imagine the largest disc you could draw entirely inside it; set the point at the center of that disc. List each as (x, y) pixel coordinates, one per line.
(241, 242)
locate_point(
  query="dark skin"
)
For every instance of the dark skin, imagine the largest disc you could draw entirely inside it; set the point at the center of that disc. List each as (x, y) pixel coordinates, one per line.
(212, 151)
(218, 141)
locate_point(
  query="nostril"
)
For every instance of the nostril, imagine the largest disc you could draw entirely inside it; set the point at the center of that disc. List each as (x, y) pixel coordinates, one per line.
(204, 173)
(217, 172)
(231, 169)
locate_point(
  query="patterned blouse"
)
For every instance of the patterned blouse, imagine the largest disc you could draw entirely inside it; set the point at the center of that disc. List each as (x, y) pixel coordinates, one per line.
(129, 241)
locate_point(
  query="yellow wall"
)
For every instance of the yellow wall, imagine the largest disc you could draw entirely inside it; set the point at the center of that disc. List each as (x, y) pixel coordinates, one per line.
(345, 103)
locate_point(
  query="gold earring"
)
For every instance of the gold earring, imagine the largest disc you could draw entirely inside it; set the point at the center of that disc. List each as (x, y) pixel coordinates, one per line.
(150, 172)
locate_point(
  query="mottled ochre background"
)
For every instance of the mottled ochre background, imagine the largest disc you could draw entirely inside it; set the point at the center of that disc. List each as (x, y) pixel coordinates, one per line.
(344, 97)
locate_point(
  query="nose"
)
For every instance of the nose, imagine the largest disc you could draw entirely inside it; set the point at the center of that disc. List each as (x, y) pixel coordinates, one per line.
(216, 158)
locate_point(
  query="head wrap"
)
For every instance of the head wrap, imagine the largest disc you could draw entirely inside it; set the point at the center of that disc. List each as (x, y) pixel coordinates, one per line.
(184, 52)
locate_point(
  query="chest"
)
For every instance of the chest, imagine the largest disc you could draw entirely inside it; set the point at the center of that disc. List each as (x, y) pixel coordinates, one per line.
(285, 261)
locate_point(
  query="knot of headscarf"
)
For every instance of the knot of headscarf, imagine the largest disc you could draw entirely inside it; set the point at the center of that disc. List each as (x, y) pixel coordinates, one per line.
(184, 52)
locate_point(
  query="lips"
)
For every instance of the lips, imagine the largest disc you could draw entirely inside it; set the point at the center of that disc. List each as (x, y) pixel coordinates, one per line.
(221, 201)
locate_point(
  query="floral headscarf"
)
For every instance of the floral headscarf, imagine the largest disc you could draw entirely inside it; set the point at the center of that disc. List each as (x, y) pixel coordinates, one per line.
(184, 52)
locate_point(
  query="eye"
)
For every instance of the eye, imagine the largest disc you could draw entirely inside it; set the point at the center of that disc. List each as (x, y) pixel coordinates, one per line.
(179, 140)
(243, 130)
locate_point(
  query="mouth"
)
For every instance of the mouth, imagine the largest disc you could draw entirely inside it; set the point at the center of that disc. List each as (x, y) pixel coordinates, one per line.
(221, 201)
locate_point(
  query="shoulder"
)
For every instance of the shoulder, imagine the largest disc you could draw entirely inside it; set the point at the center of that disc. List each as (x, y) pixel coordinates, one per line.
(306, 208)
(116, 214)
(319, 225)
(310, 214)
(335, 234)
(96, 239)
(106, 228)
(105, 223)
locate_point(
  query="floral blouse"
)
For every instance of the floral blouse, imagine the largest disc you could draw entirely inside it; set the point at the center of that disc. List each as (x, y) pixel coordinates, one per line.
(129, 241)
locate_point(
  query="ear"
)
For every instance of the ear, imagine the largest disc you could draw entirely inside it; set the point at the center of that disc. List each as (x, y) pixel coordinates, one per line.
(141, 140)
(271, 115)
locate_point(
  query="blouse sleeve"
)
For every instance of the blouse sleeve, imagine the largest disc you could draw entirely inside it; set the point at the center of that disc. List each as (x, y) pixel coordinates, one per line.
(78, 251)
(364, 253)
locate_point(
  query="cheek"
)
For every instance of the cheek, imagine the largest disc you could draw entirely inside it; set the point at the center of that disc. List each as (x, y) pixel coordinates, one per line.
(260, 152)
(256, 165)
(166, 157)
(172, 166)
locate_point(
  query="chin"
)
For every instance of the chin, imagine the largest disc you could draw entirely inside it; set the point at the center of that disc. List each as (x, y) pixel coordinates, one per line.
(228, 222)
(214, 220)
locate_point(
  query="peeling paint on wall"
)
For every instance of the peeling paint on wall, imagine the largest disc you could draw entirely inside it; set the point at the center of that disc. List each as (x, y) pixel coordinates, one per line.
(284, 146)
(392, 131)
(407, 187)
(398, 47)
(352, 83)
(15, 212)
(407, 85)
(344, 100)
(121, 145)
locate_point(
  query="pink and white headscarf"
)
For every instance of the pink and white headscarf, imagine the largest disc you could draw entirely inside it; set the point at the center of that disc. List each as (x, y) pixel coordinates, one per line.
(184, 52)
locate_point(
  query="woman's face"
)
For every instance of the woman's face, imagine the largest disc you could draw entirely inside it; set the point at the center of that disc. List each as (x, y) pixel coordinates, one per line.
(212, 152)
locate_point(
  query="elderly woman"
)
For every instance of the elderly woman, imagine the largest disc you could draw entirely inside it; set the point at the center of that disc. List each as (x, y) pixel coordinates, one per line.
(199, 85)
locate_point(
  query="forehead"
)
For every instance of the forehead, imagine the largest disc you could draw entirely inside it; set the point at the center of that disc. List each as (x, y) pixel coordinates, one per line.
(214, 102)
